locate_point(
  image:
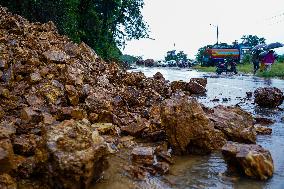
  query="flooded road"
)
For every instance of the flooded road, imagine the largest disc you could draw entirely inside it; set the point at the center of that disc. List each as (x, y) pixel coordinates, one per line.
(209, 171)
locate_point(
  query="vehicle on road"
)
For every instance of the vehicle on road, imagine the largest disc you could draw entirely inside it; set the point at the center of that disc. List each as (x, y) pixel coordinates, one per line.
(229, 65)
(212, 56)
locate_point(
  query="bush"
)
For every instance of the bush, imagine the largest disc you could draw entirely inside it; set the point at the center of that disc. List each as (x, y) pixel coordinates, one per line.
(246, 59)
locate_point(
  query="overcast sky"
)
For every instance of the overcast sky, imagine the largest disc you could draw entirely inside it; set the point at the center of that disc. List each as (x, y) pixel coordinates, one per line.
(186, 23)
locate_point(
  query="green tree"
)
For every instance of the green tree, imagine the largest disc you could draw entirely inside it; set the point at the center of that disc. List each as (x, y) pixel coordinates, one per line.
(200, 53)
(181, 56)
(171, 55)
(252, 40)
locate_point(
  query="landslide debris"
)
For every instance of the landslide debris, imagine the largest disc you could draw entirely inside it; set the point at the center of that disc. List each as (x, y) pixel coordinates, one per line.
(63, 110)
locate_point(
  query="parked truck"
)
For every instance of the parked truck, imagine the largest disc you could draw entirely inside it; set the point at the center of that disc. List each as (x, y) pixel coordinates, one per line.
(213, 56)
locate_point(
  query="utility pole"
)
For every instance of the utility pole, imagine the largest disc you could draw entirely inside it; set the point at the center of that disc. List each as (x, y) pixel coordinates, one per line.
(217, 32)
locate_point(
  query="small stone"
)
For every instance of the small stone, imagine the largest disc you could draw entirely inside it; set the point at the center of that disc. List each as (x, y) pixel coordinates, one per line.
(4, 92)
(106, 128)
(7, 182)
(78, 113)
(263, 121)
(143, 155)
(93, 117)
(162, 167)
(25, 144)
(262, 130)
(48, 118)
(29, 114)
(56, 56)
(35, 77)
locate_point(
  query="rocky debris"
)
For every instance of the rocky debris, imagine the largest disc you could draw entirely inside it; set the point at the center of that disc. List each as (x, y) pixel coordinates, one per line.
(200, 81)
(25, 144)
(6, 156)
(252, 160)
(106, 129)
(159, 76)
(7, 182)
(178, 85)
(196, 86)
(263, 121)
(143, 155)
(187, 127)
(261, 130)
(77, 154)
(235, 123)
(58, 97)
(147, 160)
(268, 97)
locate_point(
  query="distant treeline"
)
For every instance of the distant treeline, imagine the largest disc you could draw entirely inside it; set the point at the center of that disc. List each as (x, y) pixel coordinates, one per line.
(104, 25)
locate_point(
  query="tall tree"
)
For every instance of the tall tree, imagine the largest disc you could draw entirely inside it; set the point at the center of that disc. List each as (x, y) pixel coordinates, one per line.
(252, 40)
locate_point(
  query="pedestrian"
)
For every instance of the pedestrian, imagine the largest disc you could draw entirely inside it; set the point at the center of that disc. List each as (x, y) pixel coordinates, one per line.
(268, 60)
(256, 60)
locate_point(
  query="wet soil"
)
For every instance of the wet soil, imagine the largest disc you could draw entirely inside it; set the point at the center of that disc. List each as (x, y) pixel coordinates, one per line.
(210, 171)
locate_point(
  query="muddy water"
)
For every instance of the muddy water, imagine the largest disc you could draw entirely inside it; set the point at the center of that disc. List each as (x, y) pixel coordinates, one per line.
(210, 171)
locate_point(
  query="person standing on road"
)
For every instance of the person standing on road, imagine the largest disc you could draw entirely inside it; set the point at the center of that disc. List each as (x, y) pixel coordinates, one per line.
(256, 60)
(269, 60)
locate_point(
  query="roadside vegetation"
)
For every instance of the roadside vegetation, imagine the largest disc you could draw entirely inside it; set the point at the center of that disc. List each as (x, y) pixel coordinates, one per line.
(277, 69)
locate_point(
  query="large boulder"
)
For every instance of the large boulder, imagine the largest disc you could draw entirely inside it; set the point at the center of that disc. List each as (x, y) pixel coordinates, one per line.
(187, 127)
(234, 122)
(76, 152)
(268, 97)
(251, 159)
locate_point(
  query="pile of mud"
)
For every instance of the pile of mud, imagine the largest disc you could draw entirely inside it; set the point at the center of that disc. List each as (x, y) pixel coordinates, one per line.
(63, 110)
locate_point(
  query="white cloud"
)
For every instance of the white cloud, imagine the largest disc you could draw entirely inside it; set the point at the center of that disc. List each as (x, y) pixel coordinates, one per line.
(187, 24)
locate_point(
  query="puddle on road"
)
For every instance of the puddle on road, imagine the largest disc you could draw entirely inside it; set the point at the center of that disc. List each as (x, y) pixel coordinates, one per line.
(207, 171)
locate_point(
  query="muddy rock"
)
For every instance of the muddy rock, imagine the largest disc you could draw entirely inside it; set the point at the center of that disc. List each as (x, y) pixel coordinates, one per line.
(252, 160)
(263, 121)
(234, 122)
(7, 182)
(196, 86)
(6, 156)
(143, 155)
(261, 130)
(268, 97)
(136, 127)
(159, 76)
(187, 127)
(77, 154)
(200, 81)
(56, 56)
(7, 130)
(133, 78)
(25, 144)
(106, 129)
(31, 115)
(178, 85)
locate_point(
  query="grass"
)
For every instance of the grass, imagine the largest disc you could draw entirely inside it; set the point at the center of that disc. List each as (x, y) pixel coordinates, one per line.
(277, 70)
